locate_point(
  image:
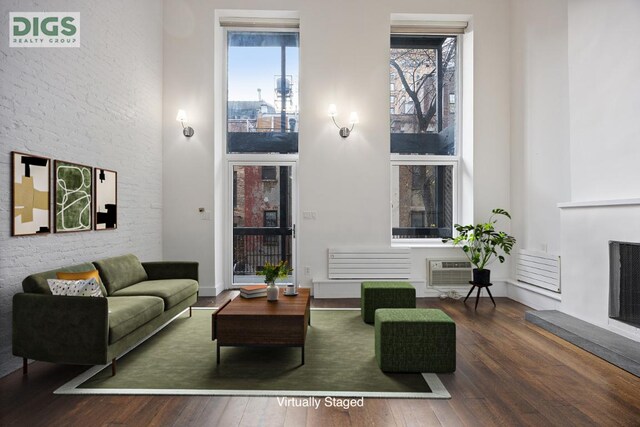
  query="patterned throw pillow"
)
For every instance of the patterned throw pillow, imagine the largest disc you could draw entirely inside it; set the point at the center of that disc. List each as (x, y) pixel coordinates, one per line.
(82, 275)
(82, 288)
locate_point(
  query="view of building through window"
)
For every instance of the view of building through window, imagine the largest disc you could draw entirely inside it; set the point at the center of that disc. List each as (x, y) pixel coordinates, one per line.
(422, 201)
(262, 220)
(423, 74)
(262, 92)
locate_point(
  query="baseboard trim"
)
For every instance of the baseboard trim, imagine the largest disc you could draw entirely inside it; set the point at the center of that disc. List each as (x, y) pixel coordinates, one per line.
(207, 291)
(532, 296)
(351, 289)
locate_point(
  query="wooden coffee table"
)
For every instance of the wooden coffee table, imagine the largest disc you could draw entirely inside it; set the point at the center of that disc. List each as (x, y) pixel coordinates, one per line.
(256, 322)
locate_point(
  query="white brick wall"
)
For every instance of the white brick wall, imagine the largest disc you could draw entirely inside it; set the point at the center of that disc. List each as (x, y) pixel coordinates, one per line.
(99, 105)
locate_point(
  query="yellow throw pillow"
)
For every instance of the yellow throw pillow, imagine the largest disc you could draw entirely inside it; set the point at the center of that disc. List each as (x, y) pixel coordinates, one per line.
(82, 275)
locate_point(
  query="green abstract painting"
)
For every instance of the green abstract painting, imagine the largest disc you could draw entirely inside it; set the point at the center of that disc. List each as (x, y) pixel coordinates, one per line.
(74, 188)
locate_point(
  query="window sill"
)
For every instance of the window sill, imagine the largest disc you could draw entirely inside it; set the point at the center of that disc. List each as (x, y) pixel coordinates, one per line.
(421, 244)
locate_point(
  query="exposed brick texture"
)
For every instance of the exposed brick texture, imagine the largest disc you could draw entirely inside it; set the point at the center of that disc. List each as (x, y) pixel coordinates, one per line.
(99, 105)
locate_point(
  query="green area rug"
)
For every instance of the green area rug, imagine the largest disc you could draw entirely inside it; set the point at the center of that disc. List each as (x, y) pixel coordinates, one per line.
(181, 359)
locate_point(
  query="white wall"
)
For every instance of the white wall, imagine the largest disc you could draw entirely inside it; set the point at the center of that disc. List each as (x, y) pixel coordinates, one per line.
(605, 130)
(604, 65)
(539, 121)
(99, 105)
(344, 57)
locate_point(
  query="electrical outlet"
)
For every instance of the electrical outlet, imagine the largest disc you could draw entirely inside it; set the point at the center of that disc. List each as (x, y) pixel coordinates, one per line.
(309, 215)
(307, 271)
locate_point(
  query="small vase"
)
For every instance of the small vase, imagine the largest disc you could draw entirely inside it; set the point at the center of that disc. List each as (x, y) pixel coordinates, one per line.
(272, 292)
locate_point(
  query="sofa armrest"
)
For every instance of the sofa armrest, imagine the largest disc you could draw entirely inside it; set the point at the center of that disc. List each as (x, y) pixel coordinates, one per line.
(61, 329)
(171, 270)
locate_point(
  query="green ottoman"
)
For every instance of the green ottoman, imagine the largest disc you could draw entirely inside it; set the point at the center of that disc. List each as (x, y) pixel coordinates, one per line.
(415, 340)
(375, 295)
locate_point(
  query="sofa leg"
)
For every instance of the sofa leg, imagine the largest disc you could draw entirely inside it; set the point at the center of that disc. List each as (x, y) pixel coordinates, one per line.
(25, 366)
(190, 311)
(113, 367)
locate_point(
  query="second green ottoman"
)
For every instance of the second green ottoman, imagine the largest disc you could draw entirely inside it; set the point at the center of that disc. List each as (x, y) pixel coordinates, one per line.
(415, 340)
(375, 295)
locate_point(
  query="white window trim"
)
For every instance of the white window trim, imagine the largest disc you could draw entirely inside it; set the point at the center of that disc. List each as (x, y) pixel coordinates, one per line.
(456, 161)
(225, 92)
(230, 208)
(224, 227)
(423, 160)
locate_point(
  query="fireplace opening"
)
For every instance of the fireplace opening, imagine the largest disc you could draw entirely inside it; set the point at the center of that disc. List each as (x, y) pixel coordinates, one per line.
(624, 282)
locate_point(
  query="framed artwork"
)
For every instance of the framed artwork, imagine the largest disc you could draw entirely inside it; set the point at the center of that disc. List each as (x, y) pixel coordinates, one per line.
(30, 190)
(105, 199)
(74, 190)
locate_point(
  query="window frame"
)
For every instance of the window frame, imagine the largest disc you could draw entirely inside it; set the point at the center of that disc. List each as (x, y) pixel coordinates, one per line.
(230, 159)
(281, 146)
(456, 160)
(423, 160)
(259, 160)
(404, 145)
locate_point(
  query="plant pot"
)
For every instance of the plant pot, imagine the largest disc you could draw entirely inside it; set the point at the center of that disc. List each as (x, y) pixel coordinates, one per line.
(482, 277)
(272, 292)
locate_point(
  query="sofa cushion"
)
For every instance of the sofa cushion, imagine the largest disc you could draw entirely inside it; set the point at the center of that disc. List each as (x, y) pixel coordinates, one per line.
(37, 283)
(172, 291)
(120, 272)
(126, 314)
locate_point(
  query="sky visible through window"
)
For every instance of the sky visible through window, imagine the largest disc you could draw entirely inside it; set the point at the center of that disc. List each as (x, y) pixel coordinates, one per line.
(253, 68)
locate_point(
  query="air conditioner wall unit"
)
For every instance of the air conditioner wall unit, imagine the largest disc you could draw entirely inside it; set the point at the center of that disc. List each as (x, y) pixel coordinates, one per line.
(449, 272)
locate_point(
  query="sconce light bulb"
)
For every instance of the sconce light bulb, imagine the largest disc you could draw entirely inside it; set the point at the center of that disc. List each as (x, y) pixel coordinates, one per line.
(332, 110)
(182, 116)
(353, 118)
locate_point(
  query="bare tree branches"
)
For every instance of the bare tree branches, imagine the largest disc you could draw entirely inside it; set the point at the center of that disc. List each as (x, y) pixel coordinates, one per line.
(418, 73)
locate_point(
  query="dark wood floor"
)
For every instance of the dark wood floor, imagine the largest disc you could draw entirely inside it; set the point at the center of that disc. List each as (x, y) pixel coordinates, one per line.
(509, 373)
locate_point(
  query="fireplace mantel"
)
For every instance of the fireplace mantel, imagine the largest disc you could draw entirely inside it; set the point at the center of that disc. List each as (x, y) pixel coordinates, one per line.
(599, 203)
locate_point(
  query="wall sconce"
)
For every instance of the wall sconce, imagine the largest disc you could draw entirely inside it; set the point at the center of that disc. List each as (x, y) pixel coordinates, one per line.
(182, 118)
(353, 119)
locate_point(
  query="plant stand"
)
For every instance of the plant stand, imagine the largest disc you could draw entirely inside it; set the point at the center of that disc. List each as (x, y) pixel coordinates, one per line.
(480, 286)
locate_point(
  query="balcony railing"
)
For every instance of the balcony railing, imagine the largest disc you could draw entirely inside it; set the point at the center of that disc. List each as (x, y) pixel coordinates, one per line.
(254, 247)
(417, 232)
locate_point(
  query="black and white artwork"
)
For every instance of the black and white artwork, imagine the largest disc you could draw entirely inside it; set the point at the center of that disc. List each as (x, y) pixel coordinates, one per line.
(106, 199)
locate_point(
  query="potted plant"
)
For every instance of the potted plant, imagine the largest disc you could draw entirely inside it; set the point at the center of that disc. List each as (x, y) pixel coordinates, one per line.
(481, 242)
(272, 272)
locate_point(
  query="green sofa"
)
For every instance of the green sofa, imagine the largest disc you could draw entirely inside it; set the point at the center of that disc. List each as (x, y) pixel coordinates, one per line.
(141, 298)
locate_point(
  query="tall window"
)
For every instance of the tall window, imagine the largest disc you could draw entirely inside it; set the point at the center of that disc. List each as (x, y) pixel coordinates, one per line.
(262, 92)
(423, 71)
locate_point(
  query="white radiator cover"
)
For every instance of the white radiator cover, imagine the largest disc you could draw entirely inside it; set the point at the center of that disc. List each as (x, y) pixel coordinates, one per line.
(369, 263)
(538, 269)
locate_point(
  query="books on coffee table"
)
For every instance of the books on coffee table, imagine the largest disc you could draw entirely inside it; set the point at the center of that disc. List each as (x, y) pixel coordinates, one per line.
(253, 291)
(254, 295)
